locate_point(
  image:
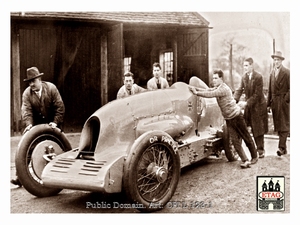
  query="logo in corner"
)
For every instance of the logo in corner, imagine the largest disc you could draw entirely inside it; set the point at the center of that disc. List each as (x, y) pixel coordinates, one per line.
(270, 193)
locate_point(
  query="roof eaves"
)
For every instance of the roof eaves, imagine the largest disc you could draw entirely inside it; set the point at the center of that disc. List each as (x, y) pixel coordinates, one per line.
(149, 18)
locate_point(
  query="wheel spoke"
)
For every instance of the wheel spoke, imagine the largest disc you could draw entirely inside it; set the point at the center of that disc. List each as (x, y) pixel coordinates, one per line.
(151, 190)
(153, 154)
(146, 176)
(146, 158)
(159, 158)
(147, 183)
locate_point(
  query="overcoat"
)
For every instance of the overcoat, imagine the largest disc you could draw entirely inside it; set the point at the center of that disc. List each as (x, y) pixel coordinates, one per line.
(48, 108)
(279, 99)
(255, 113)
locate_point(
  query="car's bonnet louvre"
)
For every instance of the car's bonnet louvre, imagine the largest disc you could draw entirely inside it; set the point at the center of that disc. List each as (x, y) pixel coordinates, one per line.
(90, 168)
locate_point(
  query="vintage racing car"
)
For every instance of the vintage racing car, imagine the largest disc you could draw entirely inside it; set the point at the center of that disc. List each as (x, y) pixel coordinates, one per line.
(136, 145)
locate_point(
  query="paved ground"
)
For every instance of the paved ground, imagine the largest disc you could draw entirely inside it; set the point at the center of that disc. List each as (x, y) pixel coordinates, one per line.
(228, 193)
(271, 142)
(212, 186)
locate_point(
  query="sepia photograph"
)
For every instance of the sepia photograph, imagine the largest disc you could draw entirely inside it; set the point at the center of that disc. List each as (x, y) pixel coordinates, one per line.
(157, 111)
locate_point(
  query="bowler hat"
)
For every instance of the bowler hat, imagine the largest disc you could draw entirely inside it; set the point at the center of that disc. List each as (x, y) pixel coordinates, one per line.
(277, 54)
(33, 73)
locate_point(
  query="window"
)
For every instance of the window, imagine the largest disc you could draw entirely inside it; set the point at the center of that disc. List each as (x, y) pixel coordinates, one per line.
(166, 62)
(127, 64)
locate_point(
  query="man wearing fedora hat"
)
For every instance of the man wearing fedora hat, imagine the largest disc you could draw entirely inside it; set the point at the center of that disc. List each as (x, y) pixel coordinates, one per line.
(279, 100)
(41, 103)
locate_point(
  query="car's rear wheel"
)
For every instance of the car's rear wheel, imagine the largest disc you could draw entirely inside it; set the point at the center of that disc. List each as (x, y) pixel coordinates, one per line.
(35, 149)
(152, 171)
(229, 149)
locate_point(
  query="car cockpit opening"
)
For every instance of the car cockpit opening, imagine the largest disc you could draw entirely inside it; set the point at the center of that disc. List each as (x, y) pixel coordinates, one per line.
(89, 138)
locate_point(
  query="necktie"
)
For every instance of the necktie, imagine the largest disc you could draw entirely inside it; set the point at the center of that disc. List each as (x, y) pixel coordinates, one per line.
(129, 92)
(276, 72)
(158, 84)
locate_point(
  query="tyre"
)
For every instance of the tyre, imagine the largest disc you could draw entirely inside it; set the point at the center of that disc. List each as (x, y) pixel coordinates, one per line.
(229, 149)
(151, 171)
(35, 149)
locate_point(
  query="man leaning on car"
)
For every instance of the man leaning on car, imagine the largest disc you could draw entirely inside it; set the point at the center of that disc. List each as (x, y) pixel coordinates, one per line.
(129, 87)
(232, 114)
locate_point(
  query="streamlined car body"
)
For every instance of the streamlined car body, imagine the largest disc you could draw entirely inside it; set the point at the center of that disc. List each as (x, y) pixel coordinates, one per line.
(137, 144)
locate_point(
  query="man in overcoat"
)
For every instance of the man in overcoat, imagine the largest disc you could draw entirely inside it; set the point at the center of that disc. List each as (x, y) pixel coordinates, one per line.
(255, 112)
(279, 100)
(41, 103)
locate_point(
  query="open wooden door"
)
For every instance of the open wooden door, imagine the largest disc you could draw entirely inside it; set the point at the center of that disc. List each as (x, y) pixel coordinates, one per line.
(115, 54)
(192, 54)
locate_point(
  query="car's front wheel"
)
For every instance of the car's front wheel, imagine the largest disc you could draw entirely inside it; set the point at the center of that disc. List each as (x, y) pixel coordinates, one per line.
(152, 171)
(36, 148)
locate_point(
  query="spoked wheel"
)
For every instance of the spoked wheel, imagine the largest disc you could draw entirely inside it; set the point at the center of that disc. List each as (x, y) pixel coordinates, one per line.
(152, 171)
(36, 148)
(229, 149)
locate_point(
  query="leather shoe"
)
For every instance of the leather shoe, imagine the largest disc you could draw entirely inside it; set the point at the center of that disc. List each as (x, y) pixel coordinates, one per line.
(253, 161)
(246, 164)
(281, 152)
(261, 153)
(16, 182)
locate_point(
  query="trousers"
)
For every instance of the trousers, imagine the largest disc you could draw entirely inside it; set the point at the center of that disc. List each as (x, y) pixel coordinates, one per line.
(238, 131)
(260, 145)
(282, 139)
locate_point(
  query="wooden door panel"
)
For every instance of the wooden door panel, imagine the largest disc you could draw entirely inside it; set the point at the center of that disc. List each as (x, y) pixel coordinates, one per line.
(193, 54)
(115, 60)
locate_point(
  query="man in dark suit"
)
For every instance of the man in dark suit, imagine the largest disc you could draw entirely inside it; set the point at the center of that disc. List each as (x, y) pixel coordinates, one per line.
(255, 112)
(279, 100)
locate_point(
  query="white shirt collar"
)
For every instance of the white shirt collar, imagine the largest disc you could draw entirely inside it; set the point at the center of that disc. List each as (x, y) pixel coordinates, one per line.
(39, 93)
(250, 75)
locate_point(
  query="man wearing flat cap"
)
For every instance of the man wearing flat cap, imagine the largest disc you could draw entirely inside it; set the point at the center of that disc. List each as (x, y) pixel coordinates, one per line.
(279, 100)
(41, 103)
